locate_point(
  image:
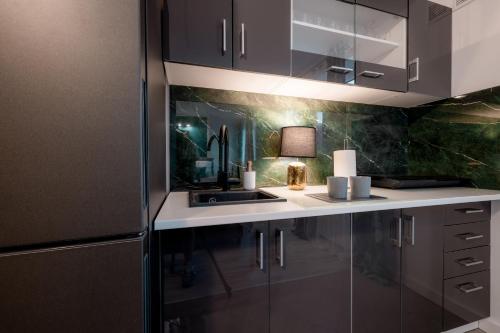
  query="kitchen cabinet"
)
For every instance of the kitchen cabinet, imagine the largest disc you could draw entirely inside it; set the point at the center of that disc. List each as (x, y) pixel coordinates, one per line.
(199, 32)
(429, 48)
(262, 36)
(380, 50)
(397, 7)
(215, 279)
(422, 269)
(310, 274)
(376, 272)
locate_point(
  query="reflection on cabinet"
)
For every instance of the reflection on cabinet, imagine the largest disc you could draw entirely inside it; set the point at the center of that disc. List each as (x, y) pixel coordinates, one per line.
(215, 279)
(422, 269)
(262, 36)
(310, 275)
(199, 32)
(429, 48)
(376, 272)
(398, 7)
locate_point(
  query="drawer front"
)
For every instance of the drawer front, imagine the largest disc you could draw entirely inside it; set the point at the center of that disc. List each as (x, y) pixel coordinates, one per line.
(381, 77)
(468, 212)
(466, 236)
(466, 299)
(466, 261)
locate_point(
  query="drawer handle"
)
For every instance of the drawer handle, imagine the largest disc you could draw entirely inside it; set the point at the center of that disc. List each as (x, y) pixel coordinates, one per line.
(468, 288)
(471, 211)
(469, 262)
(372, 75)
(470, 236)
(340, 70)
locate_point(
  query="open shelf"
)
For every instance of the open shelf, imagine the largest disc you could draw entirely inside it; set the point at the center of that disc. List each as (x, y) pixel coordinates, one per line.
(312, 38)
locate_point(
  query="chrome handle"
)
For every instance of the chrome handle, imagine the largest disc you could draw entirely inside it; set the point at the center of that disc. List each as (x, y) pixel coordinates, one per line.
(469, 236)
(415, 62)
(474, 211)
(243, 48)
(411, 238)
(224, 36)
(260, 254)
(371, 74)
(280, 248)
(399, 240)
(468, 288)
(469, 262)
(338, 69)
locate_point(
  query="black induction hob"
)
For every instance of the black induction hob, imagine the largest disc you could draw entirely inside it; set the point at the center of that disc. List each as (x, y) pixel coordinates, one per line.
(400, 182)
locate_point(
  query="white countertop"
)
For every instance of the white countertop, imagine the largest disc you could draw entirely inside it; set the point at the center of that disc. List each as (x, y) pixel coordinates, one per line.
(175, 212)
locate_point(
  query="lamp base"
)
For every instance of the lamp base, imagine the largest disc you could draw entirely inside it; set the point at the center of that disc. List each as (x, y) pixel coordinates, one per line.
(297, 176)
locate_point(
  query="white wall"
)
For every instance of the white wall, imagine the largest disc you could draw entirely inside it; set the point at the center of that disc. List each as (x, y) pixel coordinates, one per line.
(476, 47)
(492, 324)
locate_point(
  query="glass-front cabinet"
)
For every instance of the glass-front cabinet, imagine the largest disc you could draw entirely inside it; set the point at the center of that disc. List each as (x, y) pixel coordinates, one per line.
(337, 41)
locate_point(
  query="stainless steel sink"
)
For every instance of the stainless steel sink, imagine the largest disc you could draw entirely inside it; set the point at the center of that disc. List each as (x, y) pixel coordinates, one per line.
(218, 198)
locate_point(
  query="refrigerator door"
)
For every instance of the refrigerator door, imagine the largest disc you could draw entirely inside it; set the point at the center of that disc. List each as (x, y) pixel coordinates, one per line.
(71, 120)
(89, 288)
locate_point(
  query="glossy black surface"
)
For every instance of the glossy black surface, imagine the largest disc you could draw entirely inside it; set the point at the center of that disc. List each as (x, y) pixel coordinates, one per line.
(376, 275)
(213, 281)
(217, 198)
(422, 269)
(392, 79)
(310, 275)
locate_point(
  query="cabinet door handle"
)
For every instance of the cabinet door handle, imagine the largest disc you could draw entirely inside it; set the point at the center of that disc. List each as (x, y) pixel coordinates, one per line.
(470, 262)
(280, 248)
(473, 211)
(468, 288)
(224, 36)
(340, 70)
(470, 236)
(260, 250)
(398, 241)
(411, 238)
(371, 74)
(415, 62)
(243, 46)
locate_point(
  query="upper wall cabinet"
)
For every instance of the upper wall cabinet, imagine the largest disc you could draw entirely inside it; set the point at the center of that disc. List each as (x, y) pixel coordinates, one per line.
(380, 50)
(199, 32)
(398, 7)
(262, 36)
(323, 40)
(429, 48)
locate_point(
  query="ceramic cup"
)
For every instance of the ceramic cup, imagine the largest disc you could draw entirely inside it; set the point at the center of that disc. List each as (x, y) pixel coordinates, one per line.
(337, 187)
(360, 186)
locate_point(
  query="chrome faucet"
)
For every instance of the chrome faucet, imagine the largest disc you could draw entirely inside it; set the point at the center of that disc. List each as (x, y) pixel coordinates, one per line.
(223, 141)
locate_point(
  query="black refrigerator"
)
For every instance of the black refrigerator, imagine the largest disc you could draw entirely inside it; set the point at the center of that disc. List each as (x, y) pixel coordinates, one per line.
(82, 163)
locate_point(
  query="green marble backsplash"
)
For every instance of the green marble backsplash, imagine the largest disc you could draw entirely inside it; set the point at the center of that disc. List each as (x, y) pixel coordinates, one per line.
(458, 137)
(379, 135)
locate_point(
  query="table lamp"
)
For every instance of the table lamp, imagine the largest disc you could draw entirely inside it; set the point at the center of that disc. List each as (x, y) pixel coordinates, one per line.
(297, 141)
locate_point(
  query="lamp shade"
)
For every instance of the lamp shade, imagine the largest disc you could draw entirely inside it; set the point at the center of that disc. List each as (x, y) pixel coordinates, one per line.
(298, 141)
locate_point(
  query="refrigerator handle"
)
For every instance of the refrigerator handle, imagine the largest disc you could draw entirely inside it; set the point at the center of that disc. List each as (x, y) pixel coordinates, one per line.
(144, 146)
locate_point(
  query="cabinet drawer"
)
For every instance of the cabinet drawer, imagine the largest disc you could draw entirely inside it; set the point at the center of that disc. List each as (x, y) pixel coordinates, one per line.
(468, 212)
(381, 77)
(466, 299)
(466, 261)
(465, 236)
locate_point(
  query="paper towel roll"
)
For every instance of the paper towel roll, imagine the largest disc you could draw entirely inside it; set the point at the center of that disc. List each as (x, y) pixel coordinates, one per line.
(344, 163)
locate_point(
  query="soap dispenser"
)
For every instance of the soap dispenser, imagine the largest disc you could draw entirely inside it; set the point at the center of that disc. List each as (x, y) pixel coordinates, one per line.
(249, 177)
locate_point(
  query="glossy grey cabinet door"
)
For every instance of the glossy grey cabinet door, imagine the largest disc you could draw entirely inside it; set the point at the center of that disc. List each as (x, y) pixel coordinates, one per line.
(215, 279)
(85, 288)
(310, 275)
(376, 272)
(422, 269)
(198, 32)
(261, 41)
(429, 48)
(398, 7)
